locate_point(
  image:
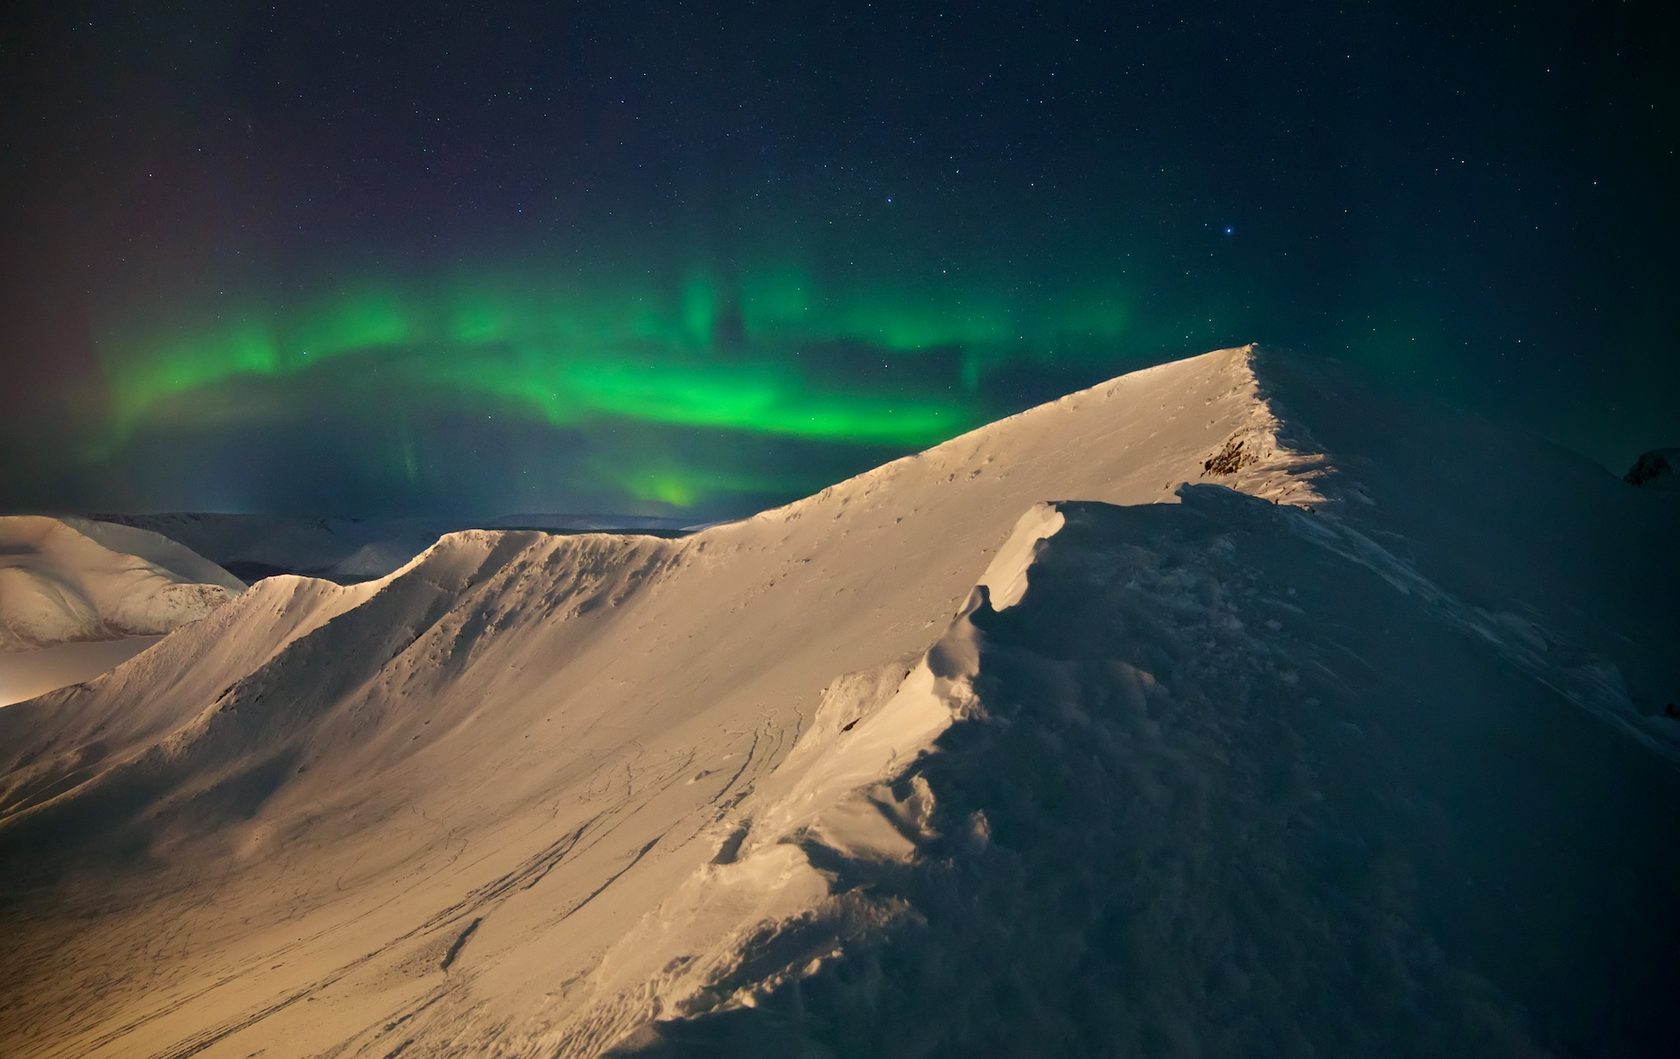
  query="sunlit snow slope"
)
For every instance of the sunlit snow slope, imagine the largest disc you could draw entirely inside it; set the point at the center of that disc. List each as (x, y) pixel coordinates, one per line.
(1354, 744)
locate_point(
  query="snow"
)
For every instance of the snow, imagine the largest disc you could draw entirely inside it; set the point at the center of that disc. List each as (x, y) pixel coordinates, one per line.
(1006, 577)
(75, 580)
(348, 549)
(178, 560)
(1089, 732)
(1165, 822)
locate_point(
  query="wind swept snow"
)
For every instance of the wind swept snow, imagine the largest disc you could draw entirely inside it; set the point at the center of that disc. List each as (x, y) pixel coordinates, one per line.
(1223, 707)
(1164, 815)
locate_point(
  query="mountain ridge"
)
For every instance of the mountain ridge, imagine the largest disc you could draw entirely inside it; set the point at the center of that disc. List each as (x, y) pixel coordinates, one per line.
(443, 796)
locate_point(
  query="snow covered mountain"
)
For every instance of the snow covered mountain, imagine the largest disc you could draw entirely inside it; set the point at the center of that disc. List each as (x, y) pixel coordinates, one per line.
(1226, 707)
(347, 549)
(64, 580)
(78, 597)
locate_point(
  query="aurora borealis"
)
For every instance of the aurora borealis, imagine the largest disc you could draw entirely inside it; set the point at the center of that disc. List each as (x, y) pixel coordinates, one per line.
(770, 360)
(521, 258)
(689, 356)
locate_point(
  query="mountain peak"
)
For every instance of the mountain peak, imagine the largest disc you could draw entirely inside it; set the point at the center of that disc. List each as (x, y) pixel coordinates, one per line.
(1228, 655)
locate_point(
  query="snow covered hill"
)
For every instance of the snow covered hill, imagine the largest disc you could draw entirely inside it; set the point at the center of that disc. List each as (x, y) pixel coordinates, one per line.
(1226, 707)
(347, 549)
(67, 580)
(78, 597)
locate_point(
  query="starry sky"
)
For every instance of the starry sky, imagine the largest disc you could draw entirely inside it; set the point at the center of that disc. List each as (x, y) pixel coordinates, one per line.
(487, 258)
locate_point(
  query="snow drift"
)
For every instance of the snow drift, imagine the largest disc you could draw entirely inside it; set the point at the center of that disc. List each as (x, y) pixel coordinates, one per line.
(1223, 707)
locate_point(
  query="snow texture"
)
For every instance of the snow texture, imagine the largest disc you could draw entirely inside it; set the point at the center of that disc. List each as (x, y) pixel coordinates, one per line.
(1224, 708)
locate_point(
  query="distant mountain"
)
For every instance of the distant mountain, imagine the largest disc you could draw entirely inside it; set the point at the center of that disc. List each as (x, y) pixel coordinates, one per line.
(78, 598)
(65, 580)
(349, 549)
(1228, 707)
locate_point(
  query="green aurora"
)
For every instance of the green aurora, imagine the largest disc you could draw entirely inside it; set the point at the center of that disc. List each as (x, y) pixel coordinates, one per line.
(596, 258)
(771, 354)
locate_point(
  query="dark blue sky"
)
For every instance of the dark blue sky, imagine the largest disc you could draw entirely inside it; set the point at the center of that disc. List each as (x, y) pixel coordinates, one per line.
(492, 257)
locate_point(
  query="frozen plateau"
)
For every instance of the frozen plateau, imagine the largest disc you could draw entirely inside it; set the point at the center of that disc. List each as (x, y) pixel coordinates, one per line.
(1228, 708)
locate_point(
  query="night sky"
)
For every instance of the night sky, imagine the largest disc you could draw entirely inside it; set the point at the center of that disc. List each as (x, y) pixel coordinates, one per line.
(488, 258)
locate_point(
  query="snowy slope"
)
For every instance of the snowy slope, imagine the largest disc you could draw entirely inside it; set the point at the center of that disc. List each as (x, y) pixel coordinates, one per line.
(1019, 745)
(63, 580)
(1177, 798)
